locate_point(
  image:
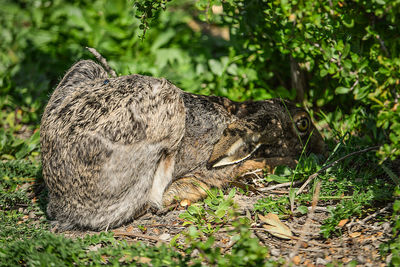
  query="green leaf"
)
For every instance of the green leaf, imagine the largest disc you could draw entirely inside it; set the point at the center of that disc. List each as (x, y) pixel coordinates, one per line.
(342, 90)
(215, 66)
(302, 209)
(162, 39)
(276, 178)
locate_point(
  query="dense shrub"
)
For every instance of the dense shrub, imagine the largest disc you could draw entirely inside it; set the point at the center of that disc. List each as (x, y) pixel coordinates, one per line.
(334, 54)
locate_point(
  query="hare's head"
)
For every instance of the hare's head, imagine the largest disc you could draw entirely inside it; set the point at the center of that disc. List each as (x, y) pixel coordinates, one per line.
(267, 129)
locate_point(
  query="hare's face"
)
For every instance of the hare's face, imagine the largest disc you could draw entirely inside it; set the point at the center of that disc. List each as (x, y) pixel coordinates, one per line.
(267, 129)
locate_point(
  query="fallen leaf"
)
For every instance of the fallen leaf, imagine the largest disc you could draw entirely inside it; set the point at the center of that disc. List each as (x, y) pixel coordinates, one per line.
(308, 263)
(94, 247)
(225, 240)
(275, 227)
(342, 223)
(355, 234)
(164, 237)
(296, 260)
(129, 228)
(143, 260)
(185, 203)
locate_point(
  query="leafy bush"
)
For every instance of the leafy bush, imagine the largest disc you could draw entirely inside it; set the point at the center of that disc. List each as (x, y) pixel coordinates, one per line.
(333, 54)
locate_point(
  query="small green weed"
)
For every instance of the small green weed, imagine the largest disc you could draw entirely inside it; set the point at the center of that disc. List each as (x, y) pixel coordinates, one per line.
(393, 246)
(245, 251)
(215, 211)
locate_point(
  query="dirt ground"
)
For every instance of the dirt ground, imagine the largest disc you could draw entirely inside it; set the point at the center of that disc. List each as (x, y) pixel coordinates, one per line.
(360, 240)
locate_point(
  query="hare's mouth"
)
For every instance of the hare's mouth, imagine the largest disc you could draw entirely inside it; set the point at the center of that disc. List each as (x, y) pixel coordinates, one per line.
(231, 159)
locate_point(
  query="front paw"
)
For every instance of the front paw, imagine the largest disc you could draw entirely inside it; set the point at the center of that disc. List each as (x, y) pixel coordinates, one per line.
(169, 199)
(154, 207)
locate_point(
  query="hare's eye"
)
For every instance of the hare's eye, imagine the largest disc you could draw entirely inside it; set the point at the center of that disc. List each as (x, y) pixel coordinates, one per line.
(302, 124)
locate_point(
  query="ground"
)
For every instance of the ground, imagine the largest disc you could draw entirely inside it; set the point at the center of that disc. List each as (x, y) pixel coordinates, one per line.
(360, 240)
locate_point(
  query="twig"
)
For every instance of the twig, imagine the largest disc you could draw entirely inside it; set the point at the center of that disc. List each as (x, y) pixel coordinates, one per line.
(164, 225)
(382, 43)
(103, 61)
(320, 209)
(252, 172)
(260, 237)
(307, 224)
(313, 176)
(228, 247)
(121, 233)
(245, 186)
(265, 189)
(363, 221)
(309, 242)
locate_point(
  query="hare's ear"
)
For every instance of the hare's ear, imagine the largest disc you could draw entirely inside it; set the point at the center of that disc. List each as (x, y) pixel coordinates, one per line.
(237, 143)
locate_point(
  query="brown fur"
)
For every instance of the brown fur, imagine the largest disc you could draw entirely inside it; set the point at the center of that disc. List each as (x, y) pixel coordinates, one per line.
(112, 147)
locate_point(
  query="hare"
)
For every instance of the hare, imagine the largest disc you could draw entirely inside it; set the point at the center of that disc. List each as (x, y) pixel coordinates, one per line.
(114, 147)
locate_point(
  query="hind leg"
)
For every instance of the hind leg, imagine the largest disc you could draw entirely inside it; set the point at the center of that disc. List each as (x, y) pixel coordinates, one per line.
(194, 188)
(190, 188)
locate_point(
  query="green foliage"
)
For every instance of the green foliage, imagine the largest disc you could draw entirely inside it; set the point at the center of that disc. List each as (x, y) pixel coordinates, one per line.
(47, 249)
(209, 215)
(346, 54)
(246, 250)
(394, 245)
(273, 205)
(13, 174)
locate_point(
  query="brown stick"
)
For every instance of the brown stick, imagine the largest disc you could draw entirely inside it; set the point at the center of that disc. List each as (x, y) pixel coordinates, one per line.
(307, 224)
(265, 189)
(313, 176)
(102, 61)
(121, 233)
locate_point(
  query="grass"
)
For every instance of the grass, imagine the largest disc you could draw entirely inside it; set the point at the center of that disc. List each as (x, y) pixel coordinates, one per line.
(42, 39)
(352, 189)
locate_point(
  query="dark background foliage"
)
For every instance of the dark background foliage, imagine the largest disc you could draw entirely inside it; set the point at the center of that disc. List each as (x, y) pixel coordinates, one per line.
(339, 59)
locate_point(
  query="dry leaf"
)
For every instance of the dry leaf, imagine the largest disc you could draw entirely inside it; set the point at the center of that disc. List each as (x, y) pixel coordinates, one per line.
(342, 223)
(296, 260)
(95, 247)
(355, 234)
(129, 228)
(275, 227)
(164, 237)
(143, 260)
(185, 203)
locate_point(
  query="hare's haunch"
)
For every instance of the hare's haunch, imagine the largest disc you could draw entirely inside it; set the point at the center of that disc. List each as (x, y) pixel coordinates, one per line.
(112, 147)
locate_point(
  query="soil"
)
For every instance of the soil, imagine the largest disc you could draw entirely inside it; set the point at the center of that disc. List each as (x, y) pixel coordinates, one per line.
(360, 239)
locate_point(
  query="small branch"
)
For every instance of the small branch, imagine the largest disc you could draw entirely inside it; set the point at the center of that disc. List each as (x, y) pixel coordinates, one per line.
(313, 176)
(382, 43)
(306, 226)
(164, 225)
(245, 186)
(261, 238)
(228, 247)
(102, 61)
(265, 189)
(253, 173)
(121, 233)
(363, 221)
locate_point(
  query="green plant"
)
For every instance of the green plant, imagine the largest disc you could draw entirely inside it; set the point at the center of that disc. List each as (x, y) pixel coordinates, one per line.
(245, 251)
(209, 215)
(330, 58)
(393, 246)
